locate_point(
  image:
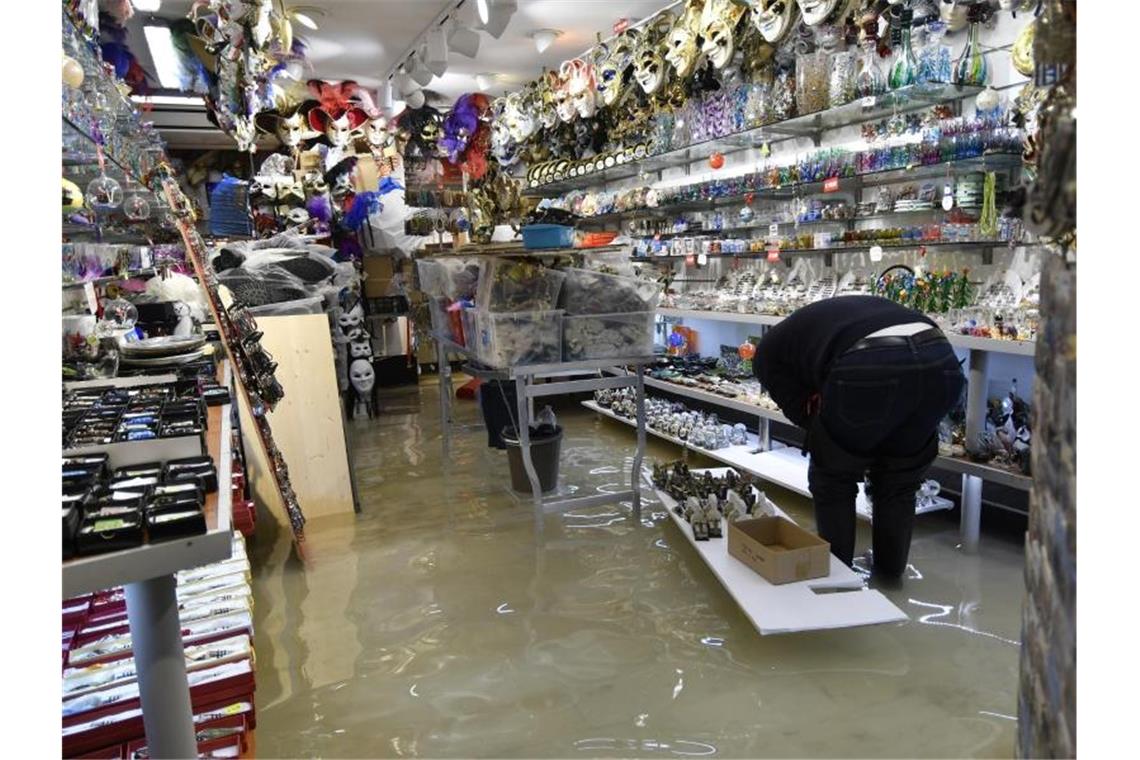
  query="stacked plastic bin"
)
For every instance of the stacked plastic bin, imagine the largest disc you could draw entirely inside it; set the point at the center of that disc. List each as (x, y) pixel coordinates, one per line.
(517, 320)
(607, 316)
(450, 286)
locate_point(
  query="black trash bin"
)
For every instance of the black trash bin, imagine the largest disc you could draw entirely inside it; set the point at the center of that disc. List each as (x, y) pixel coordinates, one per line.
(545, 451)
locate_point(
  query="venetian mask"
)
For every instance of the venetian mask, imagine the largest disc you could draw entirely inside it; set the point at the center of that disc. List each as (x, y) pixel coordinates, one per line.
(291, 130)
(547, 115)
(297, 216)
(360, 349)
(518, 114)
(376, 132)
(774, 19)
(362, 376)
(610, 71)
(817, 11)
(580, 87)
(563, 103)
(953, 13)
(681, 49)
(649, 67)
(338, 130)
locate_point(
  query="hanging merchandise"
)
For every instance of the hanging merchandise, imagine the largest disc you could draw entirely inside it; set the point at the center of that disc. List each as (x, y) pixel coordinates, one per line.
(904, 69)
(972, 68)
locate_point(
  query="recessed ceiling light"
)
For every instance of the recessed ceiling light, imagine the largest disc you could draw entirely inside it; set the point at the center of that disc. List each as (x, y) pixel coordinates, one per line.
(147, 6)
(544, 38)
(494, 15)
(484, 11)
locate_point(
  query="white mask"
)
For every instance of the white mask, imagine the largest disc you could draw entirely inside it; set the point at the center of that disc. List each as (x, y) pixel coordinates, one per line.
(361, 376)
(360, 349)
(774, 19)
(817, 11)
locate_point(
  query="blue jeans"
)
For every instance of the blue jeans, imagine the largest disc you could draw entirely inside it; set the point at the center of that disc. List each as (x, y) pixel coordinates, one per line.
(879, 417)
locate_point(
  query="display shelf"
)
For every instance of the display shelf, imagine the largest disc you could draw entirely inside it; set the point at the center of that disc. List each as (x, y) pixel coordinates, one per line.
(966, 245)
(148, 272)
(992, 345)
(985, 162)
(83, 575)
(789, 607)
(986, 472)
(517, 249)
(793, 223)
(784, 466)
(698, 394)
(903, 100)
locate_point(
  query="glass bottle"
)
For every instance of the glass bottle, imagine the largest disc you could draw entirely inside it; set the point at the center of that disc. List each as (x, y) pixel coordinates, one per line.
(934, 56)
(905, 67)
(972, 68)
(870, 80)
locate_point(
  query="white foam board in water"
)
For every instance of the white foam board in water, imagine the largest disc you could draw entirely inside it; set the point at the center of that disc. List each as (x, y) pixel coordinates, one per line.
(790, 607)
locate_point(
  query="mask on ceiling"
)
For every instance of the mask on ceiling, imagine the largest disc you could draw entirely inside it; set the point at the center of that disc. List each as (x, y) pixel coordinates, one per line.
(775, 19)
(337, 128)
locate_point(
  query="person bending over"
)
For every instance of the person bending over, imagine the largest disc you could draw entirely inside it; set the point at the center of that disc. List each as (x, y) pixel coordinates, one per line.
(869, 381)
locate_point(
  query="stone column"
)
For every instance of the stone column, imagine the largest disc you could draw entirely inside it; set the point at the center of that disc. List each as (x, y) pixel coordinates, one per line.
(1047, 703)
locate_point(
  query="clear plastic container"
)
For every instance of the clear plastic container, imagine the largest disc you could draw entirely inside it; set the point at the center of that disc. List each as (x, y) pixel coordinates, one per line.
(518, 338)
(511, 284)
(586, 292)
(607, 336)
(448, 322)
(432, 281)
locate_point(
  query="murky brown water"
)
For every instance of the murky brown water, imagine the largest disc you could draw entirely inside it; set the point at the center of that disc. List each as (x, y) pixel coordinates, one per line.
(435, 624)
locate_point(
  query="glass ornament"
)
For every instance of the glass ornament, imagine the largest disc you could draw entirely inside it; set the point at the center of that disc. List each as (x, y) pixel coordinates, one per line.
(870, 80)
(136, 208)
(904, 70)
(841, 85)
(934, 63)
(104, 194)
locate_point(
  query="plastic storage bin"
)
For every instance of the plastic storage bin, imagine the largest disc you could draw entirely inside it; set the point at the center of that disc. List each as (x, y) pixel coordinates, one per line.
(586, 292)
(447, 321)
(511, 284)
(607, 336)
(431, 278)
(513, 339)
(547, 236)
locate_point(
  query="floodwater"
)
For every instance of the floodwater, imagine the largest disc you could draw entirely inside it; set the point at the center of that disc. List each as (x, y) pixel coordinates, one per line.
(438, 624)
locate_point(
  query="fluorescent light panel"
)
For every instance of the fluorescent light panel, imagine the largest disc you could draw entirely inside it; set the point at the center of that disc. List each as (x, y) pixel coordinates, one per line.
(147, 6)
(165, 59)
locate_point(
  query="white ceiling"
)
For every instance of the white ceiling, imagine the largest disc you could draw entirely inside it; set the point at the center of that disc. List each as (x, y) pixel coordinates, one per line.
(364, 39)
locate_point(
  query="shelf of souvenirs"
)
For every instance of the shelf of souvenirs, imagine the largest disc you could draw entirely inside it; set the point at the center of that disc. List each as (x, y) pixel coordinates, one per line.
(766, 250)
(694, 228)
(517, 249)
(118, 277)
(996, 161)
(971, 342)
(633, 162)
(766, 409)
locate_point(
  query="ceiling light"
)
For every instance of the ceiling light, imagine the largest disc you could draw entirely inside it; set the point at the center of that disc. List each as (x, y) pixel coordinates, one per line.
(464, 41)
(498, 15)
(147, 6)
(415, 99)
(303, 20)
(435, 55)
(386, 96)
(485, 81)
(166, 61)
(403, 82)
(544, 38)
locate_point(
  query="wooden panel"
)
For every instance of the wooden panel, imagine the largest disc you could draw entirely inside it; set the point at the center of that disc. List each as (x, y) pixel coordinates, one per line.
(306, 423)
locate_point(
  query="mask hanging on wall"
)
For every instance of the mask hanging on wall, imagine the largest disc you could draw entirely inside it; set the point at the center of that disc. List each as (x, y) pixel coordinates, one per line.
(775, 19)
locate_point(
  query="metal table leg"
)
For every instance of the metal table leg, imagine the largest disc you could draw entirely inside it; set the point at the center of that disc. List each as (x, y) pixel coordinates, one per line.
(765, 434)
(444, 397)
(971, 521)
(156, 636)
(523, 404)
(639, 455)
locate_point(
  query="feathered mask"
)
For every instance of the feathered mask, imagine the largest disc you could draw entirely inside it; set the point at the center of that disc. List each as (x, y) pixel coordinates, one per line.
(460, 126)
(335, 101)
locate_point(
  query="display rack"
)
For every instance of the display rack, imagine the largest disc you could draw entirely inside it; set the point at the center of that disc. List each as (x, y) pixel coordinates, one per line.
(797, 606)
(903, 100)
(528, 387)
(147, 574)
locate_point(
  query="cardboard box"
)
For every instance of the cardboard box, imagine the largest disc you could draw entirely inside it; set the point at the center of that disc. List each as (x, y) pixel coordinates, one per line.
(779, 550)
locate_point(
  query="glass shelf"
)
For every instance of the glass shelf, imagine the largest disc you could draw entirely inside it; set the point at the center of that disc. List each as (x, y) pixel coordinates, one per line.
(904, 100)
(985, 162)
(861, 248)
(711, 232)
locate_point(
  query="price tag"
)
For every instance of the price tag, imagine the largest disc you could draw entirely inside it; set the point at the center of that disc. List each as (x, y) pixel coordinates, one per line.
(869, 101)
(690, 260)
(876, 253)
(773, 230)
(831, 185)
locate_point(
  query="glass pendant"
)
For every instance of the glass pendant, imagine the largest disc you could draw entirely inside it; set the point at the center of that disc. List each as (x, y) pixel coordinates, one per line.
(136, 208)
(104, 194)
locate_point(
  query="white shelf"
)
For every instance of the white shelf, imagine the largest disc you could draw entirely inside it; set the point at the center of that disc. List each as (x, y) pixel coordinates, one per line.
(785, 466)
(698, 394)
(993, 345)
(83, 575)
(790, 607)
